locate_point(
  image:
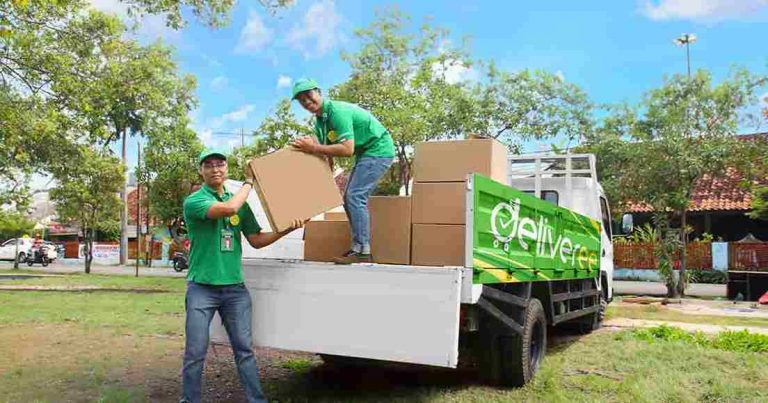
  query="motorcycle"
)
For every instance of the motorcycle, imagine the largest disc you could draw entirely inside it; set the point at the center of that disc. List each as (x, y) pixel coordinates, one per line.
(180, 261)
(39, 255)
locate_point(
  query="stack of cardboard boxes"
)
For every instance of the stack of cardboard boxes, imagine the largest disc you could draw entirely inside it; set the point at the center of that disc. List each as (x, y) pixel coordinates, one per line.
(425, 230)
(439, 195)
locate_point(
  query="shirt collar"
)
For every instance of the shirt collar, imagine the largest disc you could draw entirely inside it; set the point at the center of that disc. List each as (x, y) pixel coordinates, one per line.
(213, 191)
(326, 108)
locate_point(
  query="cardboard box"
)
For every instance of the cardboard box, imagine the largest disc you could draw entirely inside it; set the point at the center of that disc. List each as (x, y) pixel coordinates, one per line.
(294, 185)
(325, 240)
(439, 203)
(452, 161)
(336, 216)
(437, 245)
(390, 229)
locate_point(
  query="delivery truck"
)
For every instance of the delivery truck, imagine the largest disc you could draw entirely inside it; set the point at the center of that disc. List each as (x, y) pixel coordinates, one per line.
(535, 252)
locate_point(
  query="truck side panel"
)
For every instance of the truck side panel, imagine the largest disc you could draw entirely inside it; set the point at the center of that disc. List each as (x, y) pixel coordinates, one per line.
(518, 237)
(394, 313)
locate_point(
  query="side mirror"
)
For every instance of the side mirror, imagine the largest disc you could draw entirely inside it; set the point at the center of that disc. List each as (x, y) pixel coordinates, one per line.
(627, 224)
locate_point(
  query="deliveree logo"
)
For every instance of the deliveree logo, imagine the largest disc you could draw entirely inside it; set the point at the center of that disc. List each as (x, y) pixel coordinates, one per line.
(507, 224)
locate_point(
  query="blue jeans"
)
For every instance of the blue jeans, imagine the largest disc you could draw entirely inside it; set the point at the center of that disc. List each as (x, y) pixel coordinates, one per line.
(362, 182)
(233, 302)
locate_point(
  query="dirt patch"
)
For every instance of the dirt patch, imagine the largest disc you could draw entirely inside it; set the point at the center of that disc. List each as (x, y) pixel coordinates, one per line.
(78, 288)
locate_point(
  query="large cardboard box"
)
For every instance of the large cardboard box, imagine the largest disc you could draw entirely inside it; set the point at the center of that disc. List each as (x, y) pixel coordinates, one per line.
(437, 245)
(452, 161)
(439, 203)
(294, 185)
(390, 229)
(325, 240)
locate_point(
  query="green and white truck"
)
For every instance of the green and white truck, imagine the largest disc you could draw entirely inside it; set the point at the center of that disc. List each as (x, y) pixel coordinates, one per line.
(538, 253)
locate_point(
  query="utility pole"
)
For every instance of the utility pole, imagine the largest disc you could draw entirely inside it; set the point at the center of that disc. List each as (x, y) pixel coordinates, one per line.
(687, 40)
(138, 209)
(124, 210)
(242, 137)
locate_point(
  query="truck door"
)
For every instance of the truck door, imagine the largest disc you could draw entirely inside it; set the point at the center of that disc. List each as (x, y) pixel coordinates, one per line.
(606, 255)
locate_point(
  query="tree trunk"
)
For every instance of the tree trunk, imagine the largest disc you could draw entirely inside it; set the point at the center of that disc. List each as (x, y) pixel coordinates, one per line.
(88, 250)
(124, 206)
(16, 256)
(404, 168)
(669, 282)
(681, 282)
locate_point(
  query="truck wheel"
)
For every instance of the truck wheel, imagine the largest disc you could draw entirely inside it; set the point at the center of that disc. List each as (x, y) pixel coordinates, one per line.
(594, 321)
(521, 355)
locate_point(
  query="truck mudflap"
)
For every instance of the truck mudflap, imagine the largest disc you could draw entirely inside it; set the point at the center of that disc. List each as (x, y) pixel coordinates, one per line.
(393, 313)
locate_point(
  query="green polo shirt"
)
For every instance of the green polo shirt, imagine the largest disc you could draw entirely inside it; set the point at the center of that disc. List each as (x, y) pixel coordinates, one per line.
(208, 264)
(342, 121)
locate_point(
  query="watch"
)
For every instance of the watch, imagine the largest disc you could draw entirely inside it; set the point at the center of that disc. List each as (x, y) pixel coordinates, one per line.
(249, 182)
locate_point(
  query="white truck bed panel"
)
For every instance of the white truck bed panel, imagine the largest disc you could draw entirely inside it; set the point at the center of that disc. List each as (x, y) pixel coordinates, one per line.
(394, 313)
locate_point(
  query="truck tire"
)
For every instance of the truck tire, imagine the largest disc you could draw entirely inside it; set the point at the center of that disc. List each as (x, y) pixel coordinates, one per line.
(512, 360)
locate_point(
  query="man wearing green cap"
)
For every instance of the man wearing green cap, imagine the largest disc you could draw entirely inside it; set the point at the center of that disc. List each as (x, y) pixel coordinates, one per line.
(343, 130)
(215, 219)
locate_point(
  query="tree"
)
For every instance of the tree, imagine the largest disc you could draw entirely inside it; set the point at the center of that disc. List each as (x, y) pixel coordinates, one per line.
(276, 131)
(656, 152)
(415, 85)
(86, 195)
(14, 224)
(168, 171)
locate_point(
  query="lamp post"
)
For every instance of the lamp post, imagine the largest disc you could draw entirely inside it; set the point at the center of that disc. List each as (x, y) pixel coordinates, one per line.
(686, 40)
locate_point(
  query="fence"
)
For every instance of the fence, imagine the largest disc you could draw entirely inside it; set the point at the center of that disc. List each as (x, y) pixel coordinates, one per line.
(640, 256)
(748, 256)
(72, 250)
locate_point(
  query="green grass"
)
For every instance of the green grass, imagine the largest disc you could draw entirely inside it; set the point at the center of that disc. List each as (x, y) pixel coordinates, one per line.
(739, 341)
(102, 346)
(656, 312)
(106, 281)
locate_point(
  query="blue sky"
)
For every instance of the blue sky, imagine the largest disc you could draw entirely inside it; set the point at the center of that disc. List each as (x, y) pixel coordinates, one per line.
(614, 50)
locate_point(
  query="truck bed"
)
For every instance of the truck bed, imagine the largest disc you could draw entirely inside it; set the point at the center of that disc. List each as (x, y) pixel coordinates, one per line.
(385, 312)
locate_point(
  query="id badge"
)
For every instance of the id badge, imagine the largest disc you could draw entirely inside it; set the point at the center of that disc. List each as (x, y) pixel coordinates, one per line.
(227, 240)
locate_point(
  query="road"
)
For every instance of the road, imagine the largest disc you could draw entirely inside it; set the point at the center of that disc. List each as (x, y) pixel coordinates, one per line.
(659, 289)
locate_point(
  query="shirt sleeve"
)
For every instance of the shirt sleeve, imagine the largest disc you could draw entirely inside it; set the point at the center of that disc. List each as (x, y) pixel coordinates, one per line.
(196, 208)
(342, 125)
(248, 225)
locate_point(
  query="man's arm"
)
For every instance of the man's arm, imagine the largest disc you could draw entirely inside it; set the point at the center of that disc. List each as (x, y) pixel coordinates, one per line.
(308, 144)
(231, 206)
(262, 239)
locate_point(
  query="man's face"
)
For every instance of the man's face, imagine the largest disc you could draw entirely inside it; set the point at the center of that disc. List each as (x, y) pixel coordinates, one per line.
(214, 171)
(311, 100)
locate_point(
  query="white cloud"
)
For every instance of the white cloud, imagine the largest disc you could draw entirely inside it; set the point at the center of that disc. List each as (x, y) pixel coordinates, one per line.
(318, 32)
(283, 81)
(455, 71)
(702, 10)
(254, 36)
(205, 135)
(240, 114)
(219, 83)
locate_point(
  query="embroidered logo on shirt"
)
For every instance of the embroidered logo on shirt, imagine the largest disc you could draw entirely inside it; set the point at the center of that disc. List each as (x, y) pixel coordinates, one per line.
(234, 220)
(332, 135)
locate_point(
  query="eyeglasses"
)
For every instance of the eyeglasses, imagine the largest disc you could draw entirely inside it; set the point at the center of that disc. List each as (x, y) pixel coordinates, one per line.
(208, 165)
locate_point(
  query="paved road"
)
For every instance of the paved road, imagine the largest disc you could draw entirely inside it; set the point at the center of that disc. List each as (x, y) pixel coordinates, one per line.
(61, 268)
(659, 289)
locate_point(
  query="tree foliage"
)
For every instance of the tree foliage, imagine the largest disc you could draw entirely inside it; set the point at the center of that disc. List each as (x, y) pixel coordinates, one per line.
(86, 195)
(655, 152)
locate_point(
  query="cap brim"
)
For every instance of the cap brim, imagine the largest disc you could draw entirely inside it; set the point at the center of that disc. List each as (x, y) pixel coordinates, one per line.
(224, 157)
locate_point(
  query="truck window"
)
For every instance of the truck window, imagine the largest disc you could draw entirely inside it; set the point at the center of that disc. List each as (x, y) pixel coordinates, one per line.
(606, 216)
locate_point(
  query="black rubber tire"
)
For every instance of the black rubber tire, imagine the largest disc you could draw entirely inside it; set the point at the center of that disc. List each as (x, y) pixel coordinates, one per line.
(44, 262)
(22, 257)
(176, 267)
(30, 262)
(522, 355)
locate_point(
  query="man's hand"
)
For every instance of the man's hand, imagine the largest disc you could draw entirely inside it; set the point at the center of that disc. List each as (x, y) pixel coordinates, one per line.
(249, 175)
(308, 144)
(295, 224)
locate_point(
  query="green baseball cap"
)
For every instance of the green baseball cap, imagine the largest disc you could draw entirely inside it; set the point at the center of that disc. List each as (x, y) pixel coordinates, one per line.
(209, 152)
(303, 84)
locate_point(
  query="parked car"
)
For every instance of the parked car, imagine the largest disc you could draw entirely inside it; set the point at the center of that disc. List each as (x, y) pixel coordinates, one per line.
(8, 249)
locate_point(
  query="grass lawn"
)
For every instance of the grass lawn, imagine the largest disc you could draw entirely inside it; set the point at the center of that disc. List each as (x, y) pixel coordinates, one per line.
(123, 346)
(656, 312)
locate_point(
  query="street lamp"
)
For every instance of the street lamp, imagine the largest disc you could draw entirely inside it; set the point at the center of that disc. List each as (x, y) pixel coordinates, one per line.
(687, 40)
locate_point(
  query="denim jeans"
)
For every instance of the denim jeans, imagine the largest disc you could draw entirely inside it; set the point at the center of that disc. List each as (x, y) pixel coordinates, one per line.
(362, 182)
(233, 302)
